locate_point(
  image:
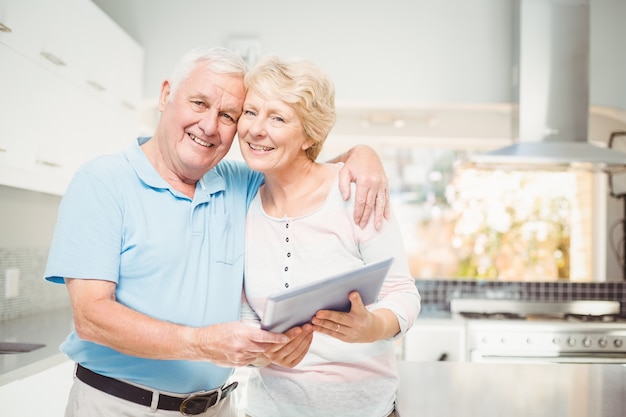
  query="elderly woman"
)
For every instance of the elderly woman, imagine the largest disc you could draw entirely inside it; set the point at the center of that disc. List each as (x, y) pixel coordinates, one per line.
(299, 229)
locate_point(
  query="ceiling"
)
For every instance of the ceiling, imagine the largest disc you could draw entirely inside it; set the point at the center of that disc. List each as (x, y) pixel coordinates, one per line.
(402, 68)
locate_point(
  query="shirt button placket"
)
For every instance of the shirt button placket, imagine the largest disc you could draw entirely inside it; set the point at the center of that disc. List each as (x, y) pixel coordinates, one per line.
(287, 262)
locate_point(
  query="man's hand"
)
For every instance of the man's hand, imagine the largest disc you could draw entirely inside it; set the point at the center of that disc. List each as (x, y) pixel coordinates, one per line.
(235, 344)
(364, 167)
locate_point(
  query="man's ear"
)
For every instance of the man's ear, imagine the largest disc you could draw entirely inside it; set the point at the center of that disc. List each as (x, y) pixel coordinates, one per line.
(166, 89)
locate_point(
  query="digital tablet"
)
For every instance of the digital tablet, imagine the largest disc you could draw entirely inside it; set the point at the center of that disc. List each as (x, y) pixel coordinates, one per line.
(297, 306)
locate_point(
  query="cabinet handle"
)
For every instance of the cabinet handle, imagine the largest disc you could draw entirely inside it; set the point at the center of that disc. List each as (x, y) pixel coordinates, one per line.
(48, 163)
(128, 105)
(53, 58)
(2, 150)
(4, 28)
(95, 85)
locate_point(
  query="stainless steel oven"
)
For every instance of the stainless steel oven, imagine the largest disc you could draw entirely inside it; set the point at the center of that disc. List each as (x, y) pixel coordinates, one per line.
(544, 333)
(545, 342)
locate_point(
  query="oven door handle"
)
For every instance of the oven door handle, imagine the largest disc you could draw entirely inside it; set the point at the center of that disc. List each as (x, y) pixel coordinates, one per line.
(607, 358)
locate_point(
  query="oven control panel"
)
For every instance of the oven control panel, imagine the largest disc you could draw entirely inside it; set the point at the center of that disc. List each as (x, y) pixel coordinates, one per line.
(561, 342)
(549, 339)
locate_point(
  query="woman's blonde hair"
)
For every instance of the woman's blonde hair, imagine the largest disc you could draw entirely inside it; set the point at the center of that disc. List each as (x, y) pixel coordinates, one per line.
(304, 86)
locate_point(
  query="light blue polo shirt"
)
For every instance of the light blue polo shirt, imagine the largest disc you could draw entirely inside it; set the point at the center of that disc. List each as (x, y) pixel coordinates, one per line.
(173, 258)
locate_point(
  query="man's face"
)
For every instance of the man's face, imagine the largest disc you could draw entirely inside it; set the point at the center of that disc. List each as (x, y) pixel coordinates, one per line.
(199, 121)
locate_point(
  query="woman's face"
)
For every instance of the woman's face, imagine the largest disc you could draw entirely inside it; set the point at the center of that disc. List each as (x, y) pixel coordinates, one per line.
(271, 136)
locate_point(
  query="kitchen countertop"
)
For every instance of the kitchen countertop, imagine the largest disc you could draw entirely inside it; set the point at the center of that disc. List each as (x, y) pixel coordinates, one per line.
(435, 389)
(427, 389)
(49, 328)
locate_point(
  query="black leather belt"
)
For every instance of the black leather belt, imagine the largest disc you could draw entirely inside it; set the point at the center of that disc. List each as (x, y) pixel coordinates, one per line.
(189, 406)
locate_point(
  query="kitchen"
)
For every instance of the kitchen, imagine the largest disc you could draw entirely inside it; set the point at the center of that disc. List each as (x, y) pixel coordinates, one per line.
(468, 67)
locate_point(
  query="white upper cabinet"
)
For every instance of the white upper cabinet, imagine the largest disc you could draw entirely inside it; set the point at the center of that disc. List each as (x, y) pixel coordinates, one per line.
(22, 26)
(71, 87)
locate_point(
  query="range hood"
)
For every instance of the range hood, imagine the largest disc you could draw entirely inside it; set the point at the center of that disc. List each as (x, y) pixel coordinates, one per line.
(552, 93)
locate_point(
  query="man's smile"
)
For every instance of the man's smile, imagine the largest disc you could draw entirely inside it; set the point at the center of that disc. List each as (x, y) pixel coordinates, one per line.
(200, 141)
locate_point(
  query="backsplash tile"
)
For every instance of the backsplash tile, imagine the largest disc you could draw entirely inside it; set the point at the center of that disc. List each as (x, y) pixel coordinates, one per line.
(436, 294)
(27, 220)
(35, 294)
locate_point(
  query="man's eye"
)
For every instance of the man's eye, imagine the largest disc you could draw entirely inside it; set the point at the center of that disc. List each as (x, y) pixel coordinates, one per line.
(228, 119)
(198, 103)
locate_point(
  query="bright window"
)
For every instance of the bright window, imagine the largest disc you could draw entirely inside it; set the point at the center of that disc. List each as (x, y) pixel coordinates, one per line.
(501, 225)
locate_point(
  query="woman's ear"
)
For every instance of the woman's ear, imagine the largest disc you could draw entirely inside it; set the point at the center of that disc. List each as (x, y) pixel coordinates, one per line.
(308, 144)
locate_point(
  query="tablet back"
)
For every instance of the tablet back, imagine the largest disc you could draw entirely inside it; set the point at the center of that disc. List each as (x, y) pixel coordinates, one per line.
(298, 305)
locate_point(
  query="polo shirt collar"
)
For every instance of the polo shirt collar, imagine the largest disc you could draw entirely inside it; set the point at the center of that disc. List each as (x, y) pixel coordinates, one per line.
(210, 183)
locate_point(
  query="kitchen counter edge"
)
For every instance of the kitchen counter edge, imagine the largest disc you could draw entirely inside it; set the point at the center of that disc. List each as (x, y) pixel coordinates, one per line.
(49, 328)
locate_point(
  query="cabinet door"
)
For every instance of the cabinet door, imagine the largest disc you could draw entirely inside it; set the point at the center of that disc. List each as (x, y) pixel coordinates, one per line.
(103, 67)
(116, 65)
(436, 340)
(42, 394)
(19, 109)
(22, 23)
(66, 47)
(31, 109)
(71, 90)
(64, 128)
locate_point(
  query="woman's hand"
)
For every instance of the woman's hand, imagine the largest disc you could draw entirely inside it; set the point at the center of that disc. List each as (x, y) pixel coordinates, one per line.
(291, 353)
(359, 325)
(363, 166)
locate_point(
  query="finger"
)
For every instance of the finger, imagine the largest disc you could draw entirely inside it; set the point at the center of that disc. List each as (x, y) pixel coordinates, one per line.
(300, 349)
(381, 209)
(388, 206)
(243, 359)
(293, 352)
(263, 337)
(345, 181)
(295, 334)
(356, 302)
(330, 316)
(329, 327)
(360, 205)
(365, 205)
(265, 347)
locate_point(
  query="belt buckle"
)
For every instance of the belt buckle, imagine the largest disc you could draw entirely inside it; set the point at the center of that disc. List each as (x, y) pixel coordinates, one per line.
(200, 403)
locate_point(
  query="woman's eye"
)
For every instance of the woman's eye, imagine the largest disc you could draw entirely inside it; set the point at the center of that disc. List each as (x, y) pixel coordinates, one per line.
(278, 119)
